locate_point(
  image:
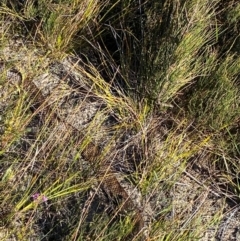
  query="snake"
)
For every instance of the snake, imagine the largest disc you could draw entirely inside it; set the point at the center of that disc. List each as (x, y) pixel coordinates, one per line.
(92, 150)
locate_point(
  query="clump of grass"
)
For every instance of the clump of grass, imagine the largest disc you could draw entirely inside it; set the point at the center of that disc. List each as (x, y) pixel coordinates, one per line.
(218, 105)
(54, 24)
(178, 59)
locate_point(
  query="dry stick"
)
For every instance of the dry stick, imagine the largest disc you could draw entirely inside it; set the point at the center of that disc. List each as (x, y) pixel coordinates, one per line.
(201, 184)
(224, 228)
(196, 211)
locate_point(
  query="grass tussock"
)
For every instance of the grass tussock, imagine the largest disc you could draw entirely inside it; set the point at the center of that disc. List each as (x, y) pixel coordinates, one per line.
(162, 81)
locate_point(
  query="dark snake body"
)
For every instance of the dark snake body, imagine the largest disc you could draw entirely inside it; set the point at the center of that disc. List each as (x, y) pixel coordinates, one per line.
(91, 154)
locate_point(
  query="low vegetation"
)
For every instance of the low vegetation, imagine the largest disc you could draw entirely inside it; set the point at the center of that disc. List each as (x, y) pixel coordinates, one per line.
(168, 72)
